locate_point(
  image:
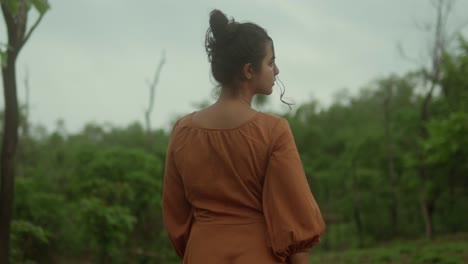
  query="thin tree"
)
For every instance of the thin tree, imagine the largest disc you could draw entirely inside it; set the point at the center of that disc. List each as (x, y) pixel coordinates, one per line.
(441, 40)
(390, 156)
(432, 77)
(15, 14)
(152, 87)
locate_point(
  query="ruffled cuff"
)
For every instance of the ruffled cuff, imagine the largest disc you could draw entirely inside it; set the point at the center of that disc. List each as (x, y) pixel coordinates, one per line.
(283, 252)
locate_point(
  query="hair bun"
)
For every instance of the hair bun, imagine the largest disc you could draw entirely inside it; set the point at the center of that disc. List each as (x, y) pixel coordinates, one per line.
(218, 23)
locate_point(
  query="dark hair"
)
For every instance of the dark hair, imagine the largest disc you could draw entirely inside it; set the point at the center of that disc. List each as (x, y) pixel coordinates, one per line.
(230, 45)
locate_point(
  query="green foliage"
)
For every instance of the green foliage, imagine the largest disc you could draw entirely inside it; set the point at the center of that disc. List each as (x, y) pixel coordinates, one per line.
(95, 193)
(13, 6)
(448, 144)
(122, 184)
(41, 5)
(120, 176)
(455, 79)
(108, 227)
(39, 206)
(447, 249)
(28, 241)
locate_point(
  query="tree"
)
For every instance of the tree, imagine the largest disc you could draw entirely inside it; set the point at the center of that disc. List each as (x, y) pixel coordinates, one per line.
(432, 75)
(152, 86)
(389, 150)
(15, 13)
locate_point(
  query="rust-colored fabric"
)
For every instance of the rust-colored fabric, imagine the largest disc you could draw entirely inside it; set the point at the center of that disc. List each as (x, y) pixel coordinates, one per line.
(238, 195)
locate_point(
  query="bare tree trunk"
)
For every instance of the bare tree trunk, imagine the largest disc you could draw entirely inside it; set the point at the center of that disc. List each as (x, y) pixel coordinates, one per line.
(390, 157)
(427, 208)
(148, 111)
(356, 203)
(432, 76)
(422, 171)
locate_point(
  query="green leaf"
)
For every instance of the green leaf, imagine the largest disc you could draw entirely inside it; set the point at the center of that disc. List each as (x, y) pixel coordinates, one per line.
(25, 228)
(41, 5)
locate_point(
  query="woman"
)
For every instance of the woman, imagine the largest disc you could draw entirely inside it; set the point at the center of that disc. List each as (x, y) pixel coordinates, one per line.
(234, 186)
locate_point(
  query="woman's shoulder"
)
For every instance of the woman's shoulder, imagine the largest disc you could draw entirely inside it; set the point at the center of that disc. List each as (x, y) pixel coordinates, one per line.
(184, 120)
(270, 116)
(263, 120)
(180, 123)
(274, 122)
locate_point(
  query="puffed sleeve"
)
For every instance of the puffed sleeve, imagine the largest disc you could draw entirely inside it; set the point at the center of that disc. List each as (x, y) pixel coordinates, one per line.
(177, 211)
(293, 218)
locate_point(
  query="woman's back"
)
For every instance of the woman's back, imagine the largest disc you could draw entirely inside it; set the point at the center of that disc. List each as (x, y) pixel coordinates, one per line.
(239, 185)
(230, 166)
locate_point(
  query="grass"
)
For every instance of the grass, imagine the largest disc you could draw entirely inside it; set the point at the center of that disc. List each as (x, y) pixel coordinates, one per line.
(444, 250)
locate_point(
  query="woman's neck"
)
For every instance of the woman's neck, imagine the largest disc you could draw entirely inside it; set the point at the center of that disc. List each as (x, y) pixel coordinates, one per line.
(241, 96)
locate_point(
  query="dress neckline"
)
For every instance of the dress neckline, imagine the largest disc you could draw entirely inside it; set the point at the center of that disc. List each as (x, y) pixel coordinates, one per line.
(195, 125)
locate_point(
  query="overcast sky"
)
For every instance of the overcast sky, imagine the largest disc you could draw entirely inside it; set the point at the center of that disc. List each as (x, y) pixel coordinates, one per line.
(89, 60)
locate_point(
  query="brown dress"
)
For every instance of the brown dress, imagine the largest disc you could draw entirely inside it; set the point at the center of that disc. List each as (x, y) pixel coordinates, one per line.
(238, 195)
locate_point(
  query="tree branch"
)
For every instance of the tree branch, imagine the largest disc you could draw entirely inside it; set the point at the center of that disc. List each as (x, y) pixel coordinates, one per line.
(155, 82)
(31, 31)
(152, 87)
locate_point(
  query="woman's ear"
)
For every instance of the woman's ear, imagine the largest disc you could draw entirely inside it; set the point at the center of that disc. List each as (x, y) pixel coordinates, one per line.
(247, 71)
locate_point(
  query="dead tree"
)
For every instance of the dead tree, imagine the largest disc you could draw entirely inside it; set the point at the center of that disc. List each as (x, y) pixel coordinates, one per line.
(391, 171)
(441, 40)
(152, 86)
(431, 77)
